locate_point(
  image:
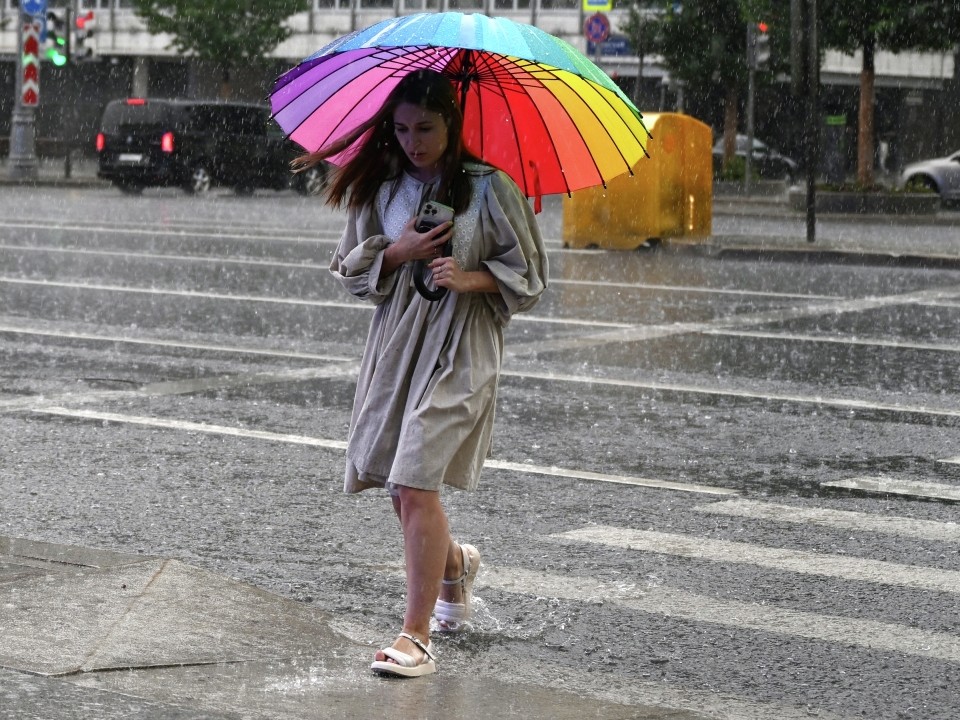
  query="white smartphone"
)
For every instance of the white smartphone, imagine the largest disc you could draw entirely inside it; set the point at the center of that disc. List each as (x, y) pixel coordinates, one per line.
(432, 214)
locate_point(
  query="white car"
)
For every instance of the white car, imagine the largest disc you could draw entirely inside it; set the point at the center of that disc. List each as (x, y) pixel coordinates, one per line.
(939, 174)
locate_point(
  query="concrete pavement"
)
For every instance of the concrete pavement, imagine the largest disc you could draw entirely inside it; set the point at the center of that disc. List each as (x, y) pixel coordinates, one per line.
(98, 635)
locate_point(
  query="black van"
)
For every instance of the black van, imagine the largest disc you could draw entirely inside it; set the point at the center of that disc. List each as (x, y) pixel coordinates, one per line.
(145, 142)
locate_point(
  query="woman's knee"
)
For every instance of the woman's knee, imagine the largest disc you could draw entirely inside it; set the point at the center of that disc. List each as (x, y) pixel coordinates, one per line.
(414, 500)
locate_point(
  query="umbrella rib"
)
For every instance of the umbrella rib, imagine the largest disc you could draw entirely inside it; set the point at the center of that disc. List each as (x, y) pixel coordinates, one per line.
(423, 54)
(554, 73)
(489, 63)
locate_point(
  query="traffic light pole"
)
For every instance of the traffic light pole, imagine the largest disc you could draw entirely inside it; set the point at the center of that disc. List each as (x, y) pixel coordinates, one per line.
(813, 116)
(64, 112)
(22, 161)
(751, 94)
(805, 71)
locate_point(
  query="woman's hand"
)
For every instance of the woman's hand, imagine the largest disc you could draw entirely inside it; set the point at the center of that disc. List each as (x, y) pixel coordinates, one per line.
(448, 274)
(423, 246)
(412, 245)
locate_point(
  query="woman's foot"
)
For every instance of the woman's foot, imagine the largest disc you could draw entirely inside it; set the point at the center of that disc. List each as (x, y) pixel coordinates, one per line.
(409, 656)
(453, 606)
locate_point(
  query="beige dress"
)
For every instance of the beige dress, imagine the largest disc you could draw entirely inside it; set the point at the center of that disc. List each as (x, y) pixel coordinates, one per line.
(424, 408)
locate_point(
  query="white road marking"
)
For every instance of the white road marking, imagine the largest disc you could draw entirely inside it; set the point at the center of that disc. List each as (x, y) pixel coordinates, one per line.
(340, 304)
(839, 519)
(186, 293)
(186, 426)
(700, 289)
(894, 486)
(869, 342)
(604, 477)
(780, 559)
(850, 403)
(210, 259)
(171, 344)
(684, 605)
(158, 231)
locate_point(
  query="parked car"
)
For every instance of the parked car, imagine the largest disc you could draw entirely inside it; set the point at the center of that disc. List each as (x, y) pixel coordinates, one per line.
(767, 162)
(147, 142)
(942, 175)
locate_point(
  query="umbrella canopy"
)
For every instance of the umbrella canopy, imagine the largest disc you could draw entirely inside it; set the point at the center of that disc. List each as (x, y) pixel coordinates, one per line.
(533, 105)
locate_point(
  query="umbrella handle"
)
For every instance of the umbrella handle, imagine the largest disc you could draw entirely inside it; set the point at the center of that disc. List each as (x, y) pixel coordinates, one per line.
(419, 269)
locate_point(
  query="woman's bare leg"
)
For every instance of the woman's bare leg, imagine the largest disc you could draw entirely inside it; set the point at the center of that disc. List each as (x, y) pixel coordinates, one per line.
(427, 547)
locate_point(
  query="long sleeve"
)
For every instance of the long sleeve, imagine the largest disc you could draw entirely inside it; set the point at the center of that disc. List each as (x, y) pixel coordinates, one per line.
(515, 254)
(358, 261)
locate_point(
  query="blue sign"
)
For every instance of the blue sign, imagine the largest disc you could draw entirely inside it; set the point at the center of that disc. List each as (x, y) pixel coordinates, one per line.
(35, 8)
(614, 45)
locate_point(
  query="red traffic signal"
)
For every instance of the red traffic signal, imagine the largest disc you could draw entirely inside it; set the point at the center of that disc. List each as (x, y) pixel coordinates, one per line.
(761, 26)
(82, 20)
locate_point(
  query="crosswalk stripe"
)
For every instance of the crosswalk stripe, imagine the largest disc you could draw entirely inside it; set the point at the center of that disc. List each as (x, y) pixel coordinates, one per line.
(896, 486)
(796, 561)
(675, 603)
(605, 477)
(840, 519)
(187, 426)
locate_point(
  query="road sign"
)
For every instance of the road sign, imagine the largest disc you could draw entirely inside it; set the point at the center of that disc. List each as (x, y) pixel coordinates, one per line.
(596, 28)
(34, 8)
(597, 5)
(30, 82)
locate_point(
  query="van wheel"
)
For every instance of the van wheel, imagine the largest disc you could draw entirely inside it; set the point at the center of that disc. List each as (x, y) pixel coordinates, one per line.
(312, 181)
(198, 181)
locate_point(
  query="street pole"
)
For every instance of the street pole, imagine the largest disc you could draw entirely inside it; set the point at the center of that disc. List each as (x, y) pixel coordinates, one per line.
(751, 94)
(22, 162)
(813, 119)
(66, 126)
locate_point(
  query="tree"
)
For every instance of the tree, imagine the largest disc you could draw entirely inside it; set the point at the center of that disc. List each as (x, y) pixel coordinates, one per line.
(703, 44)
(229, 33)
(642, 29)
(871, 25)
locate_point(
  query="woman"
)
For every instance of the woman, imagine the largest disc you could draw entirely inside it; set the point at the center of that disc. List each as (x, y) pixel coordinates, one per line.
(424, 408)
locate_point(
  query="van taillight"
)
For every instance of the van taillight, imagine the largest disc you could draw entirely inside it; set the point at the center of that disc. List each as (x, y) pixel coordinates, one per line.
(166, 142)
(101, 142)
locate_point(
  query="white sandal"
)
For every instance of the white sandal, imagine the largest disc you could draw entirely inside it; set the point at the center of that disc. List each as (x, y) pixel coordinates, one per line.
(452, 617)
(406, 665)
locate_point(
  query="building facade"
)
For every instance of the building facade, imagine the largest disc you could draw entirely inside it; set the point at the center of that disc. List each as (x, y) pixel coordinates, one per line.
(914, 91)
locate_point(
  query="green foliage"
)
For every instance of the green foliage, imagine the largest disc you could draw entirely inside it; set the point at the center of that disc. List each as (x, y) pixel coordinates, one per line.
(847, 25)
(229, 32)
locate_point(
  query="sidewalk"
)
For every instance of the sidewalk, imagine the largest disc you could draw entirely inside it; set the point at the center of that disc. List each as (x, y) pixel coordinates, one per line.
(193, 644)
(765, 203)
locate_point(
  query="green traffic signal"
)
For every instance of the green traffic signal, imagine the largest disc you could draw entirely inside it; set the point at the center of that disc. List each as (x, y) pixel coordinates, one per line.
(56, 57)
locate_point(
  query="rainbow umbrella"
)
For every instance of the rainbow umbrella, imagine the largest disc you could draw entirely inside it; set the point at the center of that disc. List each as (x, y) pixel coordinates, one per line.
(533, 105)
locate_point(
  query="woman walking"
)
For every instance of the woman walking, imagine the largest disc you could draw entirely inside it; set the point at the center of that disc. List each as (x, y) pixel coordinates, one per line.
(424, 408)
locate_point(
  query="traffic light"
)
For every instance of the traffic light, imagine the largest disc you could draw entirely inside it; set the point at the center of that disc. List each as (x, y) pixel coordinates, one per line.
(83, 35)
(761, 49)
(59, 51)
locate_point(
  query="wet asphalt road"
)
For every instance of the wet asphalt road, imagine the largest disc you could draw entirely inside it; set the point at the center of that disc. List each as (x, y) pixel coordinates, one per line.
(176, 377)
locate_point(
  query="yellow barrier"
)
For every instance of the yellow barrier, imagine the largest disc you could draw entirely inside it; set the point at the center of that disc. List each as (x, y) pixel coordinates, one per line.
(670, 194)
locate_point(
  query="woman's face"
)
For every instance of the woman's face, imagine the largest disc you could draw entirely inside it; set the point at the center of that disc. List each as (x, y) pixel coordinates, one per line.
(423, 136)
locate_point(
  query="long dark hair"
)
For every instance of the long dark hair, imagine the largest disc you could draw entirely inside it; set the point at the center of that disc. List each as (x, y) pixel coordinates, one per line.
(379, 156)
